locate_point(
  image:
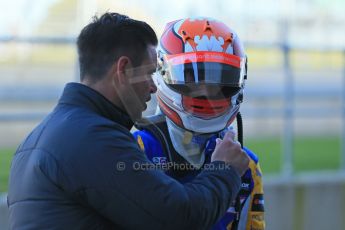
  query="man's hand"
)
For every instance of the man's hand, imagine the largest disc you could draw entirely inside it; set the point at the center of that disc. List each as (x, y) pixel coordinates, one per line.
(230, 151)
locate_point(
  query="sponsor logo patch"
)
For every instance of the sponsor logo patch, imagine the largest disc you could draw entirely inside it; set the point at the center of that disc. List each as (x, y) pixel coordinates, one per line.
(258, 217)
(258, 203)
(245, 186)
(159, 160)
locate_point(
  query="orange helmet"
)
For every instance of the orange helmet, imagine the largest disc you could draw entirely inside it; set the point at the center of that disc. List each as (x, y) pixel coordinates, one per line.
(202, 68)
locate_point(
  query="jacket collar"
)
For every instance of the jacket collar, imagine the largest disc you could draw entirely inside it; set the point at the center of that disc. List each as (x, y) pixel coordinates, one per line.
(84, 96)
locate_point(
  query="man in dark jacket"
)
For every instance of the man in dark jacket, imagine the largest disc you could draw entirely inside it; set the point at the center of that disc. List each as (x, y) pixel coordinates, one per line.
(81, 168)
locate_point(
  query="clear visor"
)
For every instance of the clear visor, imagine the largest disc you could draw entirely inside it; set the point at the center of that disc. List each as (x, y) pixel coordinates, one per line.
(220, 73)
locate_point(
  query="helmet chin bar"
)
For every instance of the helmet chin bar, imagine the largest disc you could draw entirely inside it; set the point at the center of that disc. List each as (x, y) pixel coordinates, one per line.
(205, 108)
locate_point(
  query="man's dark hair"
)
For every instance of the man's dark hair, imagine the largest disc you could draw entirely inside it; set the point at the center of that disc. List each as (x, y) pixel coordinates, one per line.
(109, 37)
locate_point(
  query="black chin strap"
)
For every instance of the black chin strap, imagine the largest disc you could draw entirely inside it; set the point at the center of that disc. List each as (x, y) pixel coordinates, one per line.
(238, 201)
(239, 128)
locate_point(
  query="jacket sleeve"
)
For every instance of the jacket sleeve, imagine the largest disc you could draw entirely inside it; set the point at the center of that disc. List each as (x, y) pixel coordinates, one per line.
(115, 179)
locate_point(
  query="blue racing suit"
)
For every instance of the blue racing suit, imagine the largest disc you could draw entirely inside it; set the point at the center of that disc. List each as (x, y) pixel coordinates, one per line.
(246, 213)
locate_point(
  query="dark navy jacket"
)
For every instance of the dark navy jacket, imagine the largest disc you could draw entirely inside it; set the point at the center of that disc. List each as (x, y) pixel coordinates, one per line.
(79, 169)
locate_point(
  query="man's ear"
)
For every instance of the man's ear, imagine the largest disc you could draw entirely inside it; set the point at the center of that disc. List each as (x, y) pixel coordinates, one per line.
(123, 69)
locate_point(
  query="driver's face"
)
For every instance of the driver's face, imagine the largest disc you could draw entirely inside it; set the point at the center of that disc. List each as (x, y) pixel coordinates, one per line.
(206, 91)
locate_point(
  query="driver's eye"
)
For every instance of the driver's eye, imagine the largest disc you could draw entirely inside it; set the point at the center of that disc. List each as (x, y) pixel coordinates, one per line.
(189, 76)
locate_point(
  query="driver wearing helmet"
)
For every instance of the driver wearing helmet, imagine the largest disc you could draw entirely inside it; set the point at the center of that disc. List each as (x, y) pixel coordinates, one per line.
(202, 71)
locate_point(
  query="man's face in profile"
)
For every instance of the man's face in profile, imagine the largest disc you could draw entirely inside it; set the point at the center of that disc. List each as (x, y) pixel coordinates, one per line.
(141, 85)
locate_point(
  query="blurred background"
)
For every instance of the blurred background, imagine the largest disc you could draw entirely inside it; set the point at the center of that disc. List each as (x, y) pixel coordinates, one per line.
(294, 104)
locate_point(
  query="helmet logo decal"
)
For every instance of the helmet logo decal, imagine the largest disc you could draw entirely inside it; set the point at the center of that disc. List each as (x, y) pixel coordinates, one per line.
(205, 34)
(209, 44)
(200, 18)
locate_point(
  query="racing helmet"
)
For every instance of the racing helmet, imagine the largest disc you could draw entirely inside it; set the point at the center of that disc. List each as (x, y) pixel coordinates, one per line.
(202, 70)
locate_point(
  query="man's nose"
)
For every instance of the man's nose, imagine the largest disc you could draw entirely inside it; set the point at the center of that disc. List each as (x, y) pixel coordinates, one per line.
(153, 87)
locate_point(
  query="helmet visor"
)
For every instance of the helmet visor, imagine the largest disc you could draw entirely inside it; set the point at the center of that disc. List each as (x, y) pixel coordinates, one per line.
(221, 74)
